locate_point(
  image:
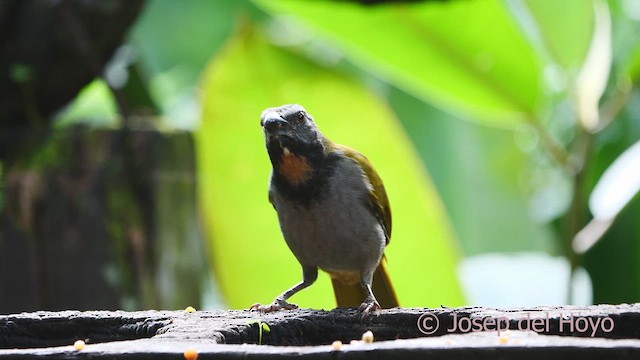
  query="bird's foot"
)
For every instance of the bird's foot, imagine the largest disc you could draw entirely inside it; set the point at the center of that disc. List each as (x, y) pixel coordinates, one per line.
(277, 304)
(369, 307)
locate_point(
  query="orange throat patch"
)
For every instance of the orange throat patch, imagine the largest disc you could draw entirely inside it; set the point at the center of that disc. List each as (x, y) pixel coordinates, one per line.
(295, 169)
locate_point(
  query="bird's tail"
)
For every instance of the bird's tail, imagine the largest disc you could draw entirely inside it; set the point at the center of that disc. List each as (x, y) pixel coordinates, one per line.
(354, 295)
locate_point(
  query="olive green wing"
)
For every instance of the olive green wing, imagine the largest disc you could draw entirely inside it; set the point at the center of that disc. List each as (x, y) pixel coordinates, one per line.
(377, 201)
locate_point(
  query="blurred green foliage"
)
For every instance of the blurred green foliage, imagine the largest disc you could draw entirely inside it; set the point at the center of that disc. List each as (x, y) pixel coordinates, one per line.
(472, 112)
(412, 46)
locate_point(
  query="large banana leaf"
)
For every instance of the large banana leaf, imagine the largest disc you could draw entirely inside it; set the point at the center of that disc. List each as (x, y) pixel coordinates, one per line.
(469, 57)
(251, 260)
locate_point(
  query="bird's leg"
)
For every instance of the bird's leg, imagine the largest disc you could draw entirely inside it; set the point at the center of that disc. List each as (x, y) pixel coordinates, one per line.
(370, 304)
(309, 276)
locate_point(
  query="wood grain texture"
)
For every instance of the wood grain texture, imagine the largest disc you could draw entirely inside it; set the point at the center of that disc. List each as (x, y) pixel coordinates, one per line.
(309, 333)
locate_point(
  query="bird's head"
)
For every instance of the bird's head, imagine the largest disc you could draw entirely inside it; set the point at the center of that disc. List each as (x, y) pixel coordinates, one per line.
(290, 127)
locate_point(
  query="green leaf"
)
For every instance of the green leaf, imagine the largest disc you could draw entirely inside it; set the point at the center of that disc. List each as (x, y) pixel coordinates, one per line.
(94, 106)
(633, 66)
(465, 56)
(617, 254)
(250, 258)
(617, 186)
(462, 158)
(174, 40)
(594, 74)
(565, 27)
(161, 35)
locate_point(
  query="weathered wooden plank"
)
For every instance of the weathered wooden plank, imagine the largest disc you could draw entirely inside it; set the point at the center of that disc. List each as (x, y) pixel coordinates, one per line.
(553, 332)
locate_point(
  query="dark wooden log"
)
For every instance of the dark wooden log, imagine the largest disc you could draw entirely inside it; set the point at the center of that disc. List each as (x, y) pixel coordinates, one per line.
(550, 332)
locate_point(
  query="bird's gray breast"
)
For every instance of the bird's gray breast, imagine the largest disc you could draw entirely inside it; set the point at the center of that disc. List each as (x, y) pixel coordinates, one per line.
(337, 230)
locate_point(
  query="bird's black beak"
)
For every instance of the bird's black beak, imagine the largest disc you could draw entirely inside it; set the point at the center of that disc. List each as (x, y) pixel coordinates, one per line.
(275, 125)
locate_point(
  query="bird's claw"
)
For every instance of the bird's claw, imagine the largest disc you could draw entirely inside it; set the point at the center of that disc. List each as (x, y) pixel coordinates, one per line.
(274, 306)
(369, 307)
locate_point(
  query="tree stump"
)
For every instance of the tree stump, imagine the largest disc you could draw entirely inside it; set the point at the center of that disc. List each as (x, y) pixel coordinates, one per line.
(445, 333)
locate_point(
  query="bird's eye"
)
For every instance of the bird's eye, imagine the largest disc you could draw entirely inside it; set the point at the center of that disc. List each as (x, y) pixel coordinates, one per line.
(301, 116)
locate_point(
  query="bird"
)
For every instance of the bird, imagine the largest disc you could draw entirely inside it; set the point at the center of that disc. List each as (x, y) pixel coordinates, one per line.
(333, 211)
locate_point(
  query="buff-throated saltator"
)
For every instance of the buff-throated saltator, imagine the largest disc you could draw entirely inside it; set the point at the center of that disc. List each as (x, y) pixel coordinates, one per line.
(333, 211)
